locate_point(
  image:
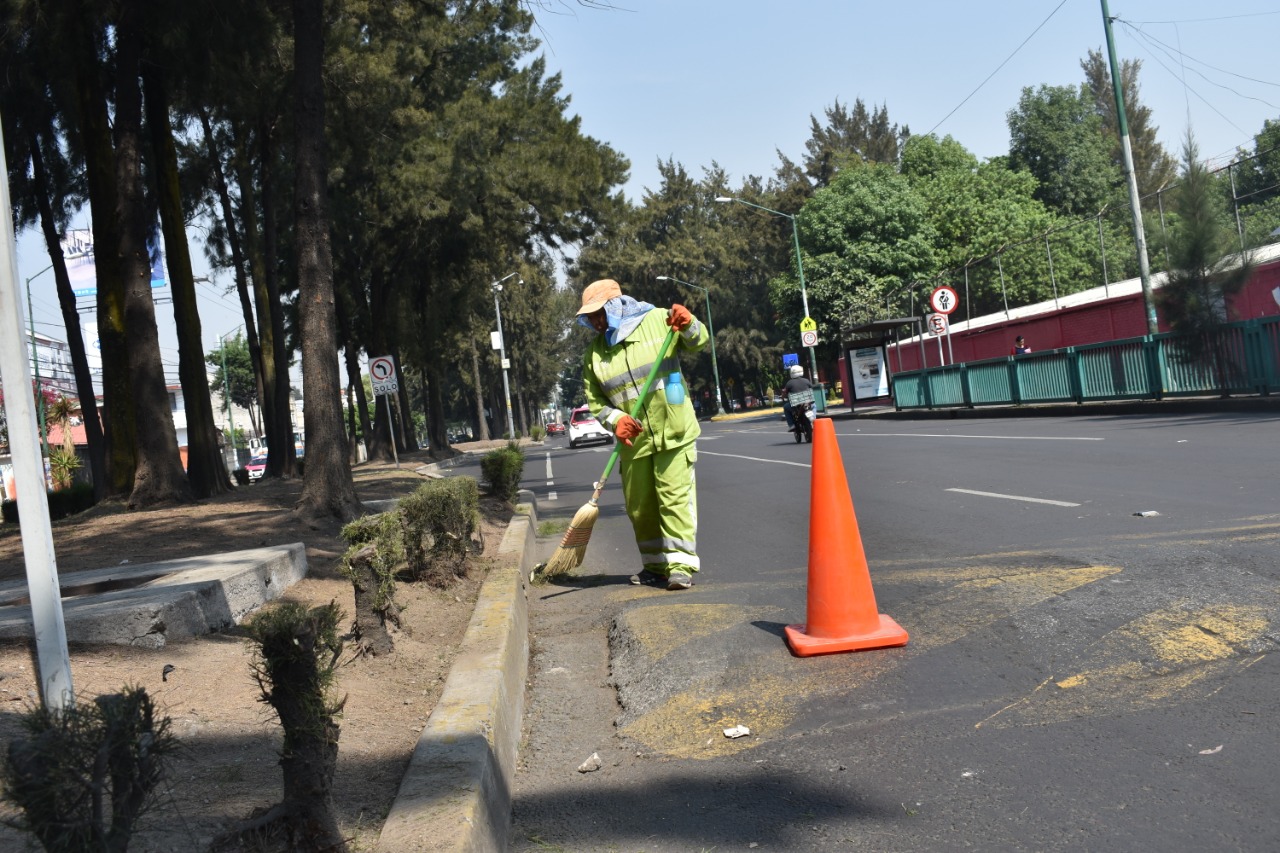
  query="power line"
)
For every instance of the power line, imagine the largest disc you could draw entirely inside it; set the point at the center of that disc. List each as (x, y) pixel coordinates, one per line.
(998, 67)
(1209, 20)
(1192, 89)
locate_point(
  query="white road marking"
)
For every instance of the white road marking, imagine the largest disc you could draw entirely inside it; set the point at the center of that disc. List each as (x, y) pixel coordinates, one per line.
(1012, 497)
(550, 482)
(552, 496)
(755, 459)
(954, 435)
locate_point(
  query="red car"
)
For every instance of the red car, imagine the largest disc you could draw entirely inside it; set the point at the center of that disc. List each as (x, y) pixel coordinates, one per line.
(555, 428)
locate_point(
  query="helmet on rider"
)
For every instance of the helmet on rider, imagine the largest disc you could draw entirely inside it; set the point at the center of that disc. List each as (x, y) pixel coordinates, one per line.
(796, 371)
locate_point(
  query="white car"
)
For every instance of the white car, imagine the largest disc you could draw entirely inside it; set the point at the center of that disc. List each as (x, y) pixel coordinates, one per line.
(584, 427)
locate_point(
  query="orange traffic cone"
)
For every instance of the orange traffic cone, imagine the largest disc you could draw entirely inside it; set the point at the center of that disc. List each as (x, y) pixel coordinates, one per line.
(842, 614)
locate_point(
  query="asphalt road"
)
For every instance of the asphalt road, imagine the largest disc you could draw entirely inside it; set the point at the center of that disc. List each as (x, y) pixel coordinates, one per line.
(1078, 677)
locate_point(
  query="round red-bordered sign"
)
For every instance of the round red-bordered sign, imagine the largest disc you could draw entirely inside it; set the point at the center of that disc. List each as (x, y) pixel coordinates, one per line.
(944, 300)
(381, 368)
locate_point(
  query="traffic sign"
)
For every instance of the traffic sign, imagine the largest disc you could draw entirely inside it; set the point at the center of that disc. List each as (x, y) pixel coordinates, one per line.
(382, 375)
(809, 338)
(937, 324)
(944, 300)
(808, 324)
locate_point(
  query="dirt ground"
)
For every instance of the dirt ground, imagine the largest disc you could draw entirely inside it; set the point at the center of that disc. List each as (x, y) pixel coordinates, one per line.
(228, 766)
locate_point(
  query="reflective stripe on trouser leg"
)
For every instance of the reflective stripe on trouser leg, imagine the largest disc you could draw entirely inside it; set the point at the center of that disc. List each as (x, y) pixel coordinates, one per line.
(662, 502)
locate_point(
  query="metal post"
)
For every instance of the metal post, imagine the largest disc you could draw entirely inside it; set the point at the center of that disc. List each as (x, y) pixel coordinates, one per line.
(35, 363)
(1049, 252)
(1003, 294)
(1235, 204)
(226, 394)
(36, 531)
(1135, 201)
(502, 354)
(1102, 250)
(391, 428)
(804, 296)
(711, 330)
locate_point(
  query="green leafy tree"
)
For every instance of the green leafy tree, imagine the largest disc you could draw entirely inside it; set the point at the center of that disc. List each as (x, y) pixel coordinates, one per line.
(981, 210)
(1258, 184)
(864, 237)
(1056, 135)
(233, 369)
(1152, 164)
(850, 136)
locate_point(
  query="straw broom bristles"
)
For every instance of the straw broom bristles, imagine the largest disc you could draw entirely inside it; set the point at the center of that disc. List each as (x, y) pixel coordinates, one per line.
(573, 547)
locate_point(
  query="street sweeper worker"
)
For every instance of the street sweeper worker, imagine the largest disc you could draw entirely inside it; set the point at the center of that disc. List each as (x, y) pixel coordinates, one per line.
(657, 450)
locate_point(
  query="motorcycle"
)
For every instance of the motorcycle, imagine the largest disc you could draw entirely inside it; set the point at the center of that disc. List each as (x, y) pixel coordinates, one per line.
(803, 414)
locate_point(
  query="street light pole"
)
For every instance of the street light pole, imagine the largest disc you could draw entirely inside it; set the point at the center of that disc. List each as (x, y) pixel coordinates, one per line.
(711, 330)
(502, 350)
(35, 361)
(226, 393)
(795, 235)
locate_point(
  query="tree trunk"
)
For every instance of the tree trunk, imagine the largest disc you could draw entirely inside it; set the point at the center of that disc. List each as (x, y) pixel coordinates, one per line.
(159, 477)
(426, 414)
(256, 263)
(71, 320)
(327, 490)
(482, 424)
(100, 173)
(206, 469)
(370, 630)
(408, 435)
(435, 409)
(276, 415)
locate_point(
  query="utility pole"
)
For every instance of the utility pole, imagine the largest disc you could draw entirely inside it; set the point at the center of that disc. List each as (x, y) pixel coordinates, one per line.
(1135, 202)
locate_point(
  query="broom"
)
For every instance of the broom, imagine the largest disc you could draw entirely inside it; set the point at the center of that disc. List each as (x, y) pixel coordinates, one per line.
(573, 547)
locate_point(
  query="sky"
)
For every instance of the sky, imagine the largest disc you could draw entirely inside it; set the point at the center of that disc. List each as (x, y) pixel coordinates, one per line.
(734, 82)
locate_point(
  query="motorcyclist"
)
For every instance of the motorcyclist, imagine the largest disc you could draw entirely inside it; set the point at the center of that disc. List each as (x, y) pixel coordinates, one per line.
(795, 384)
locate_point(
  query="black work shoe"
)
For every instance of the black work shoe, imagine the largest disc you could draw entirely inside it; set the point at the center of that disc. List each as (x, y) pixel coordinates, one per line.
(647, 578)
(679, 579)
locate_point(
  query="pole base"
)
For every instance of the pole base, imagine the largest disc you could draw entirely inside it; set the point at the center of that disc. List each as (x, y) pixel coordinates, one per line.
(888, 633)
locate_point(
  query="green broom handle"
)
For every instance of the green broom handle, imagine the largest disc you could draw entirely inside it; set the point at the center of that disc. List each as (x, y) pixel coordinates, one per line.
(635, 410)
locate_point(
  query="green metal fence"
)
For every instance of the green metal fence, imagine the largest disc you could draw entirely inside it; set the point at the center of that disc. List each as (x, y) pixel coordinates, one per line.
(1243, 358)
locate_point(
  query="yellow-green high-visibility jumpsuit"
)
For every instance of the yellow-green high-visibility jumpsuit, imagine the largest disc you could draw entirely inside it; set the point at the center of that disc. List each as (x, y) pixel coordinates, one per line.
(658, 469)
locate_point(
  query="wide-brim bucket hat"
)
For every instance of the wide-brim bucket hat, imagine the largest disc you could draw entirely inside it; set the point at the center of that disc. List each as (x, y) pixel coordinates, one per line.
(597, 294)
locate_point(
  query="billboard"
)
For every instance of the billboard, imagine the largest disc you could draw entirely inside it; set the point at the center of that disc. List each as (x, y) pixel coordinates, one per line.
(77, 248)
(866, 370)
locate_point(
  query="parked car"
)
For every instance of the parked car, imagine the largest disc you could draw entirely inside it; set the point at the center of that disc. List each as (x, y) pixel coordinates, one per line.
(555, 428)
(256, 467)
(584, 427)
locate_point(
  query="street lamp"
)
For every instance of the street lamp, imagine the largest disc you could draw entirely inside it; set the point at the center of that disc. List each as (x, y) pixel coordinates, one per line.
(711, 329)
(226, 393)
(35, 355)
(35, 360)
(502, 349)
(795, 234)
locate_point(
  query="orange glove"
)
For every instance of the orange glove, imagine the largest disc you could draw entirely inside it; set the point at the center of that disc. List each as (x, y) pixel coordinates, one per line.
(679, 317)
(627, 429)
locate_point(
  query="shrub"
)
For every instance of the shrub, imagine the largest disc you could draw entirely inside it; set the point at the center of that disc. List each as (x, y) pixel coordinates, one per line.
(295, 651)
(63, 463)
(440, 518)
(503, 468)
(83, 775)
(537, 433)
(77, 498)
(242, 476)
(375, 555)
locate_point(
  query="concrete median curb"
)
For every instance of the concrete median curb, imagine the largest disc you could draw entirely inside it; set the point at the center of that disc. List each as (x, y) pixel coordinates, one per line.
(456, 791)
